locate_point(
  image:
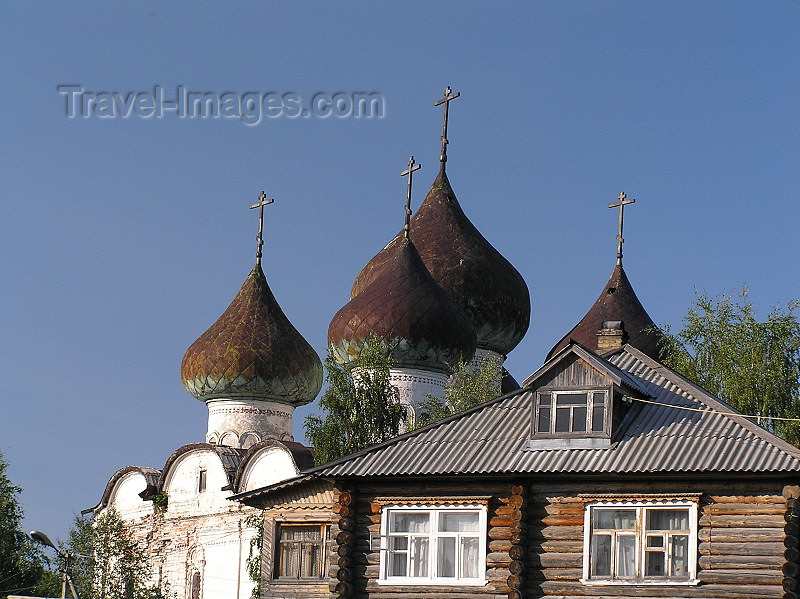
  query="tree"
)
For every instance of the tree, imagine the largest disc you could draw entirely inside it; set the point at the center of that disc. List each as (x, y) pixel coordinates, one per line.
(21, 563)
(466, 388)
(81, 543)
(361, 403)
(121, 570)
(753, 365)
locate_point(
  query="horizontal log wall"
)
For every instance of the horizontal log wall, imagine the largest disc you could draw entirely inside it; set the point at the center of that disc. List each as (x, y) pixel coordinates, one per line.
(742, 551)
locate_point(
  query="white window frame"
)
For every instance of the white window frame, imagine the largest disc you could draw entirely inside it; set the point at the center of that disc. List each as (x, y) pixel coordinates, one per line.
(641, 536)
(433, 535)
(552, 407)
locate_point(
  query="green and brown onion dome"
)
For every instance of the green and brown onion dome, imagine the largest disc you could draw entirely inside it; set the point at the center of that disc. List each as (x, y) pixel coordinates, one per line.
(405, 308)
(252, 352)
(469, 269)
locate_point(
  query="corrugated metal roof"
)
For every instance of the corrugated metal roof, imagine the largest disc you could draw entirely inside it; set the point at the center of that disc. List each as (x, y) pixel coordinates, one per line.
(655, 438)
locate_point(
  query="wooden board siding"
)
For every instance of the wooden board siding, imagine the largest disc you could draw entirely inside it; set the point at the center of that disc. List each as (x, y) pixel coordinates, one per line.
(573, 372)
(740, 553)
(316, 507)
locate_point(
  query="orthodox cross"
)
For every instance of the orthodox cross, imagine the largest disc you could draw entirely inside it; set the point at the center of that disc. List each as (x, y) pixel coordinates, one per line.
(448, 96)
(622, 201)
(412, 166)
(262, 201)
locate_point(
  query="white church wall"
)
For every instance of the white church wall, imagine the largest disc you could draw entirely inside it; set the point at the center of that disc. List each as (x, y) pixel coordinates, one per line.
(268, 466)
(191, 472)
(125, 497)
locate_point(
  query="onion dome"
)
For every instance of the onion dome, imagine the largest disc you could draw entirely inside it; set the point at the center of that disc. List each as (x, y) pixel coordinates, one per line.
(252, 352)
(469, 269)
(404, 306)
(618, 309)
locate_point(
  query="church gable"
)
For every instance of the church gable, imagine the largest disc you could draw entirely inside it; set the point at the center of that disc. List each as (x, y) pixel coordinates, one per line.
(195, 481)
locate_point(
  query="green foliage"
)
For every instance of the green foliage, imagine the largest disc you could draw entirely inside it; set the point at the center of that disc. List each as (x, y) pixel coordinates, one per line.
(121, 568)
(753, 365)
(160, 501)
(465, 389)
(362, 406)
(21, 562)
(255, 521)
(81, 543)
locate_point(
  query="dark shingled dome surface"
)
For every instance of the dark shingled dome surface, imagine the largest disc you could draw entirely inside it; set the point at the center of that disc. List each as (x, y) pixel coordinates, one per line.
(617, 302)
(470, 270)
(252, 351)
(404, 306)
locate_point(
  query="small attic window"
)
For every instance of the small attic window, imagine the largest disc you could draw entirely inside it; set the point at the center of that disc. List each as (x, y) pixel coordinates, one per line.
(573, 412)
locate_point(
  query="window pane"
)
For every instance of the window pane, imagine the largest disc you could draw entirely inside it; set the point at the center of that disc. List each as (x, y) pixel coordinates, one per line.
(572, 399)
(626, 556)
(601, 555)
(405, 522)
(544, 420)
(579, 420)
(299, 533)
(562, 420)
(446, 564)
(469, 557)
(667, 519)
(654, 563)
(419, 556)
(680, 556)
(397, 564)
(458, 522)
(614, 519)
(598, 418)
(289, 562)
(309, 556)
(598, 398)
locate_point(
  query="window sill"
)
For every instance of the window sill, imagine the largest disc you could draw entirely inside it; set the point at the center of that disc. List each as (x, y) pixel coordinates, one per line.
(643, 583)
(554, 443)
(429, 582)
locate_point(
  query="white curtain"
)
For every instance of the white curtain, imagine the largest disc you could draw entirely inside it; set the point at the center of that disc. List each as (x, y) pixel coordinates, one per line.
(626, 556)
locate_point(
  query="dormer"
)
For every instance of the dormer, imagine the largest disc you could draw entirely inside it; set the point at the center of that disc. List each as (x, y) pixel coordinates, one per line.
(579, 401)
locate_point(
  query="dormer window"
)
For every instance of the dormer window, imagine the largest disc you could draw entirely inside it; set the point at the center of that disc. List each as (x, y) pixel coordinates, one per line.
(578, 412)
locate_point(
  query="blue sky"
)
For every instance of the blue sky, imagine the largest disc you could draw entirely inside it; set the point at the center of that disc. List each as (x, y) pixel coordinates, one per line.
(124, 238)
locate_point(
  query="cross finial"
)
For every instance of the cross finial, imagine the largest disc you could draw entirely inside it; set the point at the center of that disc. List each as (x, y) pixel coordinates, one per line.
(262, 201)
(622, 201)
(412, 166)
(448, 96)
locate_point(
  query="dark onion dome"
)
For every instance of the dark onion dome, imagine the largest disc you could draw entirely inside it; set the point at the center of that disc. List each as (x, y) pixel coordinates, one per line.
(252, 352)
(404, 306)
(618, 302)
(474, 274)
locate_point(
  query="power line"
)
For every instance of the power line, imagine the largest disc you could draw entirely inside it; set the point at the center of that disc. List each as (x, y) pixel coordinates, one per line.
(710, 411)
